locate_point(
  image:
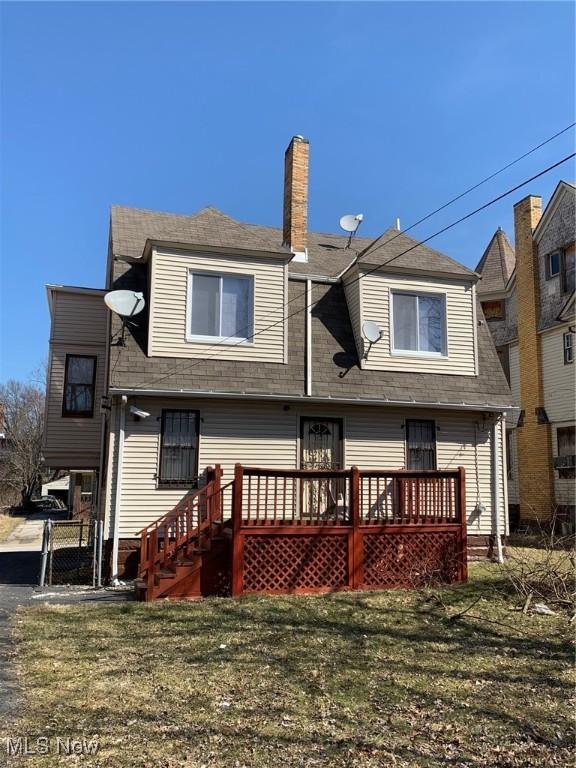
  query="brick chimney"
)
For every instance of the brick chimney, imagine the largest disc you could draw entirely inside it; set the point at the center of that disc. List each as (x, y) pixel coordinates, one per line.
(295, 227)
(536, 478)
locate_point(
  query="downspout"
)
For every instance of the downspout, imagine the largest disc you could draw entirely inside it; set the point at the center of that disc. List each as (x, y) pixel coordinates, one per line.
(118, 490)
(308, 384)
(496, 490)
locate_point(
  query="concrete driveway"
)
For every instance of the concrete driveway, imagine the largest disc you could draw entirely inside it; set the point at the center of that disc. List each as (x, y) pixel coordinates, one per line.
(19, 572)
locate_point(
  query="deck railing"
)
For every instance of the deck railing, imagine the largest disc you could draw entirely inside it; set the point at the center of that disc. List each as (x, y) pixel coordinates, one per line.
(287, 497)
(316, 530)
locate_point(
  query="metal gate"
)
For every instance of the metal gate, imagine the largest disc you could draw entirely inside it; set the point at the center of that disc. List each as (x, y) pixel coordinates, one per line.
(72, 552)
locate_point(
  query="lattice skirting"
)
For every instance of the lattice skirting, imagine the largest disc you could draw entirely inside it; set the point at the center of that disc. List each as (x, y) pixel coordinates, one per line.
(410, 559)
(289, 563)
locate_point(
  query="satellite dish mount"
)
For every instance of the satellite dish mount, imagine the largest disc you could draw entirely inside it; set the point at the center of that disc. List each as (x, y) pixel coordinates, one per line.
(350, 224)
(372, 333)
(125, 304)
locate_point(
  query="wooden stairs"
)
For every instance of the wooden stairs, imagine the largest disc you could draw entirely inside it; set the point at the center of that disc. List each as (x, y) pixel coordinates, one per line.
(186, 554)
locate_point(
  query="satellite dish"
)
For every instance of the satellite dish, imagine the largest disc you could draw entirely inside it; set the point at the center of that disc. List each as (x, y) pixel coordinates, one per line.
(371, 331)
(125, 303)
(350, 223)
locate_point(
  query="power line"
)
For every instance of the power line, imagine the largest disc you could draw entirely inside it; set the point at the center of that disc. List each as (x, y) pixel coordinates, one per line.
(475, 186)
(247, 329)
(375, 268)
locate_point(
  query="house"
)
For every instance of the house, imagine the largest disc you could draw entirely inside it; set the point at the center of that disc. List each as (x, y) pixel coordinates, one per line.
(250, 356)
(527, 297)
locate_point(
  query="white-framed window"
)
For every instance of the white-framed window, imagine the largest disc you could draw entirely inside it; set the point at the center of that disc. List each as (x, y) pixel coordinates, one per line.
(553, 262)
(220, 307)
(568, 348)
(418, 323)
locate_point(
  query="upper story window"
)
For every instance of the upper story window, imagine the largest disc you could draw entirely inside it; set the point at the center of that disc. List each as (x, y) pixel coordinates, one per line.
(568, 348)
(220, 307)
(553, 262)
(568, 270)
(79, 385)
(418, 323)
(493, 310)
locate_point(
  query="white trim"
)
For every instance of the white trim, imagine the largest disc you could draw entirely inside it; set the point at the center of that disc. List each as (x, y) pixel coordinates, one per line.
(417, 352)
(215, 394)
(118, 493)
(505, 472)
(475, 329)
(220, 340)
(496, 489)
(308, 338)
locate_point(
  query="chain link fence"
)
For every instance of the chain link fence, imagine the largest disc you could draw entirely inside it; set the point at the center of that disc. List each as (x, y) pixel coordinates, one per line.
(72, 552)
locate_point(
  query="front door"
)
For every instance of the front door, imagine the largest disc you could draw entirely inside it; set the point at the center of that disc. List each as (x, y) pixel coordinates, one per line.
(321, 448)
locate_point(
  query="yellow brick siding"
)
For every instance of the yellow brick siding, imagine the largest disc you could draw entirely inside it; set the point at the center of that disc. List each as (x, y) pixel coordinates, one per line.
(535, 473)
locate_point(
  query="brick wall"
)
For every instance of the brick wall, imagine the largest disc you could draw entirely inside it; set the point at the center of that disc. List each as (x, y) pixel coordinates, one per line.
(534, 437)
(295, 227)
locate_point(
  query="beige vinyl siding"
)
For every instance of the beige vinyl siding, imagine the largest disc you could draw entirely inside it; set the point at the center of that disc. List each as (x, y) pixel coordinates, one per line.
(558, 379)
(169, 297)
(79, 324)
(265, 434)
(564, 488)
(78, 318)
(460, 360)
(353, 295)
(514, 362)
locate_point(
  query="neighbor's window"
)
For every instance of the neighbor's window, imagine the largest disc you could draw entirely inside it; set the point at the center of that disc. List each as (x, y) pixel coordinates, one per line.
(179, 448)
(79, 381)
(568, 273)
(420, 444)
(220, 307)
(564, 462)
(568, 348)
(553, 261)
(493, 310)
(419, 323)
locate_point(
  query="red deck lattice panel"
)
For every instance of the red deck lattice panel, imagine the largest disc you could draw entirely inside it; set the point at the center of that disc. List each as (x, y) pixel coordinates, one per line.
(295, 563)
(411, 559)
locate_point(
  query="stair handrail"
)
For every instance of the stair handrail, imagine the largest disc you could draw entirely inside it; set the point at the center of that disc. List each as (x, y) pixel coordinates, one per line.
(179, 519)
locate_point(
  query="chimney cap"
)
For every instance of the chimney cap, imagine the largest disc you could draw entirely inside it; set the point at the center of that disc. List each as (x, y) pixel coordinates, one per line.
(299, 137)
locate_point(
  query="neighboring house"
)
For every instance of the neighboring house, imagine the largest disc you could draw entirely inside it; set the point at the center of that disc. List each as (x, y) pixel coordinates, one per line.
(527, 296)
(251, 351)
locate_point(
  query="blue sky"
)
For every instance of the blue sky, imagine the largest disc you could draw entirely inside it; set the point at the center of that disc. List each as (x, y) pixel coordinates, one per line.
(173, 106)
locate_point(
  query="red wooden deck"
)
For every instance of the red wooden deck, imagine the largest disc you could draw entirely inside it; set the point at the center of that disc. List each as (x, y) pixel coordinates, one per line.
(280, 531)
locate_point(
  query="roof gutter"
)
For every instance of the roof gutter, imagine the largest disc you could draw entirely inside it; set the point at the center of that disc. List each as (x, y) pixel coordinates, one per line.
(484, 407)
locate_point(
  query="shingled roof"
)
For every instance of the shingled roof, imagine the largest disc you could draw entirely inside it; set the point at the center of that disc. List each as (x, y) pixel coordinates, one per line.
(335, 367)
(496, 265)
(328, 254)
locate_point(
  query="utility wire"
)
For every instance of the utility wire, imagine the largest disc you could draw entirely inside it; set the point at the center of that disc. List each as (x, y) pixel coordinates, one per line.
(471, 189)
(247, 329)
(375, 268)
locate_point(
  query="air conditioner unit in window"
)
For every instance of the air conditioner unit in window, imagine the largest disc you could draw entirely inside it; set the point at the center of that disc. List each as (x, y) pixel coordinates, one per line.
(565, 462)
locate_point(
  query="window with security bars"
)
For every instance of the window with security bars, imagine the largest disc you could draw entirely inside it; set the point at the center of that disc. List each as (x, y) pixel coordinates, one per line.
(420, 444)
(79, 384)
(179, 448)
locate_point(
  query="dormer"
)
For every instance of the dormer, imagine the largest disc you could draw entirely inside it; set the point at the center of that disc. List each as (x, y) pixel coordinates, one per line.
(423, 302)
(214, 286)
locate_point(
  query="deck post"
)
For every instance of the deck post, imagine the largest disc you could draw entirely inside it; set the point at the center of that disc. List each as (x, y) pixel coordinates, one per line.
(216, 495)
(237, 542)
(356, 562)
(463, 527)
(152, 552)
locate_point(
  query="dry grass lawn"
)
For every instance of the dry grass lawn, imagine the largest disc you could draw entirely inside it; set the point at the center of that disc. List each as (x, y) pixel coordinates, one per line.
(7, 525)
(366, 679)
